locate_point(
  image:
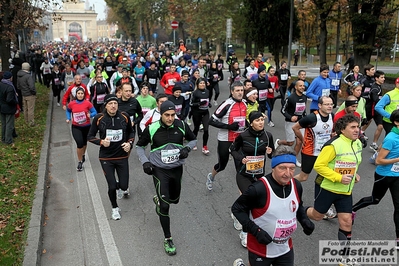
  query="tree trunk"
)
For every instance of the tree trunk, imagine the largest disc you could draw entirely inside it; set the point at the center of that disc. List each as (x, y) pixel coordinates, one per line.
(338, 34)
(147, 25)
(323, 39)
(5, 54)
(219, 49)
(248, 45)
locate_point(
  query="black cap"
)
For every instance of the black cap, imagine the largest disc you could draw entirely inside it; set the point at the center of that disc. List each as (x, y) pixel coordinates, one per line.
(166, 106)
(110, 97)
(261, 68)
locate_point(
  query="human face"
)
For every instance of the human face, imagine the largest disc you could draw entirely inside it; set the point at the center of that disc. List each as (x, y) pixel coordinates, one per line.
(184, 78)
(300, 86)
(201, 85)
(302, 75)
(248, 85)
(144, 91)
(111, 107)
(177, 94)
(262, 74)
(78, 79)
(258, 124)
(161, 100)
(370, 72)
(80, 95)
(235, 65)
(326, 107)
(324, 73)
(284, 66)
(99, 78)
(237, 92)
(125, 73)
(380, 80)
(259, 58)
(356, 69)
(283, 173)
(168, 117)
(196, 74)
(337, 68)
(272, 71)
(351, 109)
(351, 131)
(126, 92)
(253, 97)
(252, 63)
(357, 91)
(172, 69)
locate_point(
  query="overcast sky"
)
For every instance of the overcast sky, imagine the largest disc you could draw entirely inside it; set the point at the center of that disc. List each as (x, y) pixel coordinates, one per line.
(99, 6)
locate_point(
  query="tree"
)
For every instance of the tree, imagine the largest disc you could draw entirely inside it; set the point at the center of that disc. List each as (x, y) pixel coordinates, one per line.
(365, 16)
(16, 15)
(307, 24)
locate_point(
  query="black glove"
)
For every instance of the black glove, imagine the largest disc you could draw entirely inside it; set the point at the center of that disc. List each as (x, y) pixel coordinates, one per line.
(233, 126)
(263, 237)
(147, 167)
(184, 152)
(364, 122)
(308, 226)
(363, 141)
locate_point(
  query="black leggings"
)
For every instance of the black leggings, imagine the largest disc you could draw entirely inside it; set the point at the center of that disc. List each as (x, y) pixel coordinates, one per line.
(80, 135)
(167, 186)
(57, 92)
(284, 260)
(380, 187)
(122, 169)
(223, 155)
(198, 118)
(214, 86)
(270, 107)
(387, 127)
(243, 182)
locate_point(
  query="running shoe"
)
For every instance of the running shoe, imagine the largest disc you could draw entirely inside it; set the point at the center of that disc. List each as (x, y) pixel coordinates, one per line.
(205, 150)
(364, 136)
(243, 237)
(374, 146)
(270, 124)
(126, 193)
(209, 181)
(169, 247)
(155, 199)
(83, 158)
(215, 103)
(195, 148)
(119, 194)
(330, 214)
(80, 166)
(58, 104)
(201, 127)
(238, 262)
(373, 157)
(237, 224)
(115, 214)
(276, 143)
(298, 163)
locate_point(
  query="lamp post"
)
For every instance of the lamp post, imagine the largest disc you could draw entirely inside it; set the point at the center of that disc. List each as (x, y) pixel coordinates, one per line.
(290, 32)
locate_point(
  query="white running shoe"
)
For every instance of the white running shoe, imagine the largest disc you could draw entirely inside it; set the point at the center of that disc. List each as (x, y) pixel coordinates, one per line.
(298, 163)
(374, 146)
(201, 127)
(119, 193)
(237, 224)
(276, 143)
(209, 181)
(270, 124)
(238, 262)
(215, 103)
(58, 104)
(330, 214)
(243, 237)
(126, 193)
(115, 214)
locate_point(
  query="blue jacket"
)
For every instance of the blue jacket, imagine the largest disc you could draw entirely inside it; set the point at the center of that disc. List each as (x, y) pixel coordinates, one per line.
(335, 80)
(315, 90)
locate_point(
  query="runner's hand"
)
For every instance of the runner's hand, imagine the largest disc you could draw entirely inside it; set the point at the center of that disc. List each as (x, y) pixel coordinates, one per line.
(184, 153)
(263, 237)
(233, 126)
(147, 167)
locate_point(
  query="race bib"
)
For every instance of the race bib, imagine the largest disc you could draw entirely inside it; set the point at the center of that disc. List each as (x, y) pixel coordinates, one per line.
(167, 69)
(220, 66)
(57, 81)
(178, 109)
(262, 95)
(325, 92)
(395, 168)
(335, 82)
(204, 103)
(46, 71)
(139, 76)
(241, 123)
(114, 135)
(108, 68)
(255, 164)
(100, 98)
(145, 110)
(171, 82)
(320, 140)
(215, 77)
(80, 117)
(284, 230)
(152, 81)
(237, 78)
(273, 84)
(170, 156)
(366, 90)
(284, 76)
(345, 168)
(299, 108)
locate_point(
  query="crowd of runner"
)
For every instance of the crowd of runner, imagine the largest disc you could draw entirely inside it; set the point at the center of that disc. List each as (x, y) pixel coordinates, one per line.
(160, 92)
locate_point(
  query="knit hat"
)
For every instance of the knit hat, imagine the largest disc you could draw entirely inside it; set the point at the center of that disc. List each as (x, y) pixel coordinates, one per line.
(397, 81)
(176, 88)
(166, 106)
(261, 68)
(25, 66)
(7, 75)
(79, 89)
(254, 115)
(110, 97)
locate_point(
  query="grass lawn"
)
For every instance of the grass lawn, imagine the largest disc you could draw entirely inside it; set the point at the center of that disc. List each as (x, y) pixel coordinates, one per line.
(18, 178)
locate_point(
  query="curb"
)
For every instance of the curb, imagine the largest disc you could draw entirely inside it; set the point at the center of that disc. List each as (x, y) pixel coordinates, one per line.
(33, 246)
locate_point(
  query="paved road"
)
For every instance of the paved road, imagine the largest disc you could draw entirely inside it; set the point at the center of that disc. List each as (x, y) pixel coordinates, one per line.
(79, 230)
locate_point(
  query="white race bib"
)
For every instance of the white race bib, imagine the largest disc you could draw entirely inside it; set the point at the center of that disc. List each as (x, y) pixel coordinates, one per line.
(284, 76)
(325, 92)
(241, 123)
(284, 230)
(335, 82)
(152, 81)
(262, 95)
(114, 135)
(171, 82)
(100, 98)
(299, 108)
(80, 117)
(108, 68)
(395, 168)
(170, 156)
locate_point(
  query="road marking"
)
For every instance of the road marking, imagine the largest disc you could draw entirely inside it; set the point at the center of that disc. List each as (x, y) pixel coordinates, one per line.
(103, 223)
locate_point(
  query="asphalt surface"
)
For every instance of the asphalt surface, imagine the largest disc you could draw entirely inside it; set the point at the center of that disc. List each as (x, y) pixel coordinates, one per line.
(77, 229)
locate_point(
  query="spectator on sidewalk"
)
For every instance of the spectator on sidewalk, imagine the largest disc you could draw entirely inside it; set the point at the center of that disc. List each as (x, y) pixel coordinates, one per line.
(8, 107)
(26, 84)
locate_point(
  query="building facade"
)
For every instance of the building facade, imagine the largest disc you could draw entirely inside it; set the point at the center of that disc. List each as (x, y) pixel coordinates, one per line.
(105, 31)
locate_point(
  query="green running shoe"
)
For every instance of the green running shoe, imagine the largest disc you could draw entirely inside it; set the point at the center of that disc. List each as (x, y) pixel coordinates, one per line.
(170, 248)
